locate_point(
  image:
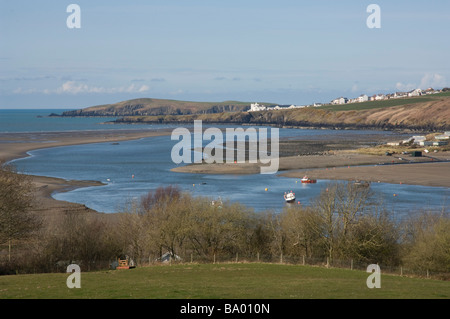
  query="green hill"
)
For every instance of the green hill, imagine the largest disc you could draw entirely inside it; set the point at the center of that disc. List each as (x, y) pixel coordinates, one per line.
(222, 280)
(148, 107)
(425, 113)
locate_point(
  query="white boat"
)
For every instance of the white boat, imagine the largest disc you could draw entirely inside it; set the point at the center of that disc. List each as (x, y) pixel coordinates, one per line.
(289, 197)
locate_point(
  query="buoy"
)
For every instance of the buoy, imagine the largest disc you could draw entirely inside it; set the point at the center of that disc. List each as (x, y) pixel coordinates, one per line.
(132, 176)
(265, 189)
(193, 184)
(395, 194)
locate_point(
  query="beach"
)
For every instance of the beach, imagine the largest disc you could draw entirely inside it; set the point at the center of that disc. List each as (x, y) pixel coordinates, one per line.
(347, 165)
(16, 145)
(343, 164)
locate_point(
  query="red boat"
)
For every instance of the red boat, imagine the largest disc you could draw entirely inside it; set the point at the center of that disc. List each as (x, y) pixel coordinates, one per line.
(308, 180)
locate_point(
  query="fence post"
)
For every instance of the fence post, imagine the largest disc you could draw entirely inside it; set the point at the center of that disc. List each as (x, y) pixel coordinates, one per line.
(281, 258)
(257, 256)
(214, 261)
(303, 260)
(192, 258)
(237, 254)
(401, 271)
(351, 264)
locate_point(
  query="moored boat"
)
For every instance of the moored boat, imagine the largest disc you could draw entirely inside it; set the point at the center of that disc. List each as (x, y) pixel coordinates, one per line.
(307, 180)
(289, 197)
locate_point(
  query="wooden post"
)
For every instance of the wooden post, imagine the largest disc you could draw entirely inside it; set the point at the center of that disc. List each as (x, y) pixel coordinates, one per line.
(192, 258)
(237, 254)
(303, 260)
(351, 264)
(214, 261)
(257, 256)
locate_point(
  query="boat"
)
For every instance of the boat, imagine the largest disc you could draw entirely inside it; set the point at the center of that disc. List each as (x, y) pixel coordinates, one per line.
(289, 197)
(307, 180)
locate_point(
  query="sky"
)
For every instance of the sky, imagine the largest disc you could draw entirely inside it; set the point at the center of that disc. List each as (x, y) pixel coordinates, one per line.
(284, 51)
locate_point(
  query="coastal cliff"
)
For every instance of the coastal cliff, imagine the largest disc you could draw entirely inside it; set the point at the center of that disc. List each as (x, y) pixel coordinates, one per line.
(426, 113)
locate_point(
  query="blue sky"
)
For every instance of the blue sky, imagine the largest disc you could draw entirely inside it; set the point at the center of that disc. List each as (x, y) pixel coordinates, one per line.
(286, 52)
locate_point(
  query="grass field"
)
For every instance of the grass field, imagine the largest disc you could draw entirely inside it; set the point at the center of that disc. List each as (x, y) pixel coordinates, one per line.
(222, 281)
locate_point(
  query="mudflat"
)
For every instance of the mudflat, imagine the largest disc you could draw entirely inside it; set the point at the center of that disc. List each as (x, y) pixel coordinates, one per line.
(16, 145)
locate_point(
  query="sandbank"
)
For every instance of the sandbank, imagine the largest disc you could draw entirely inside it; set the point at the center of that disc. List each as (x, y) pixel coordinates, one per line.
(433, 170)
(17, 145)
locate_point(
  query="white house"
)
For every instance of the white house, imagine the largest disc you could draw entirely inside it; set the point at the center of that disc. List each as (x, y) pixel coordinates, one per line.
(398, 95)
(379, 97)
(340, 100)
(254, 107)
(416, 92)
(362, 98)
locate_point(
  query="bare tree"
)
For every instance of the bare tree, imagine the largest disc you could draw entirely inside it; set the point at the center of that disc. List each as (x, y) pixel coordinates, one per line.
(16, 198)
(338, 207)
(299, 225)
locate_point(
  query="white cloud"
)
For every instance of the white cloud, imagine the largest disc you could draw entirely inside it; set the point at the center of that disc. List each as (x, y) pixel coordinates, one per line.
(405, 87)
(73, 87)
(433, 80)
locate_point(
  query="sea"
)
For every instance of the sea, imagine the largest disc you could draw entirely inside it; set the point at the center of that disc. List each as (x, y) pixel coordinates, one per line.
(131, 169)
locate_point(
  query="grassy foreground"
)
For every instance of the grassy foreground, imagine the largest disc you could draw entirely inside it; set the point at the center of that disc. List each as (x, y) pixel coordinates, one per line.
(218, 281)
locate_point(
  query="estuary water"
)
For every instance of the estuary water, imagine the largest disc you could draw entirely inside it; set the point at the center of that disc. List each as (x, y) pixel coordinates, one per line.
(131, 169)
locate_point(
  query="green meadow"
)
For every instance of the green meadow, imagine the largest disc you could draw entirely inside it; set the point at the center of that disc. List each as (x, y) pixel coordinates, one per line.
(222, 281)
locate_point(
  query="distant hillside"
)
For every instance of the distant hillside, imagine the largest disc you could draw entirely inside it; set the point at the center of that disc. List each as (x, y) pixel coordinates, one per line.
(429, 114)
(149, 107)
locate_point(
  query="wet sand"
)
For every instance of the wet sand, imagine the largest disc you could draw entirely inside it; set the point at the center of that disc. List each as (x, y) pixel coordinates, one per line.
(339, 164)
(16, 145)
(345, 165)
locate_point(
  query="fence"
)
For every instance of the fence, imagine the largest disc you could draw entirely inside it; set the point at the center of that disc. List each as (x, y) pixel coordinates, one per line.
(14, 267)
(292, 260)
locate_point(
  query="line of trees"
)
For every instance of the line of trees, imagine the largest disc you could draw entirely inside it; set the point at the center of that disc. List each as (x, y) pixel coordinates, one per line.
(344, 222)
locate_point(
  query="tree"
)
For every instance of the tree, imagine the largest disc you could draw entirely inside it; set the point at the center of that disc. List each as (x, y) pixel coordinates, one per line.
(217, 229)
(166, 210)
(428, 242)
(17, 222)
(339, 207)
(299, 224)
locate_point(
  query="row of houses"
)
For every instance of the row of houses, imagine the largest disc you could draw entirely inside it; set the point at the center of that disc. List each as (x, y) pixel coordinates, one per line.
(379, 97)
(439, 140)
(255, 107)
